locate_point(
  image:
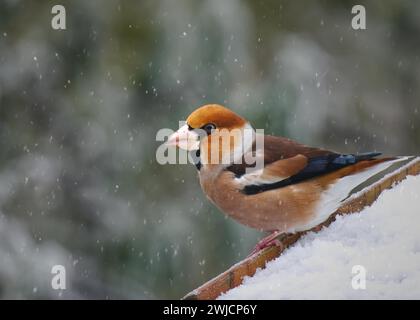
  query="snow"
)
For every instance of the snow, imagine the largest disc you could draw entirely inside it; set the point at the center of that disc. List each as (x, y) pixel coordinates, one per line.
(384, 239)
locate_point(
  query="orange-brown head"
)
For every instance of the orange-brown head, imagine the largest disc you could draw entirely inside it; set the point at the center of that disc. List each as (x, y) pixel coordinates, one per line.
(217, 115)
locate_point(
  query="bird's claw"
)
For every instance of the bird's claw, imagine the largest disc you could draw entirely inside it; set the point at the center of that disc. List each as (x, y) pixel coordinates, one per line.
(269, 241)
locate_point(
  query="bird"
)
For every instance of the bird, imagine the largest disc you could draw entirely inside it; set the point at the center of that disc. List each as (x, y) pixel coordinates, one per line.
(295, 188)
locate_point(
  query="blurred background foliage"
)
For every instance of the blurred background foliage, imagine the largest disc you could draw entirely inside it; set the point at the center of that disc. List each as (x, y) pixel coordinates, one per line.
(80, 108)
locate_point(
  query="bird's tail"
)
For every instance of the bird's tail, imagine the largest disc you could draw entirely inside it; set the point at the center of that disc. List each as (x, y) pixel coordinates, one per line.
(352, 164)
(366, 156)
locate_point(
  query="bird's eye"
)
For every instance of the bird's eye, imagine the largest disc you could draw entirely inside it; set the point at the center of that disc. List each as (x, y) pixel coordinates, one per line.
(209, 127)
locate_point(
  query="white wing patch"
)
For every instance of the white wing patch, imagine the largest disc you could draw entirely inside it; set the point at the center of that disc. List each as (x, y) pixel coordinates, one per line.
(257, 177)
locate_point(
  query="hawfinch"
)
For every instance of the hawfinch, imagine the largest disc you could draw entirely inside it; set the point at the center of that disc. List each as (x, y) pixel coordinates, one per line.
(294, 187)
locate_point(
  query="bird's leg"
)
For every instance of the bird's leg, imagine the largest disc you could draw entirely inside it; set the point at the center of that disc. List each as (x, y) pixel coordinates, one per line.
(270, 240)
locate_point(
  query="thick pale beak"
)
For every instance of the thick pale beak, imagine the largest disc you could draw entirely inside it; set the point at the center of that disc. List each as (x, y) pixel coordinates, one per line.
(185, 139)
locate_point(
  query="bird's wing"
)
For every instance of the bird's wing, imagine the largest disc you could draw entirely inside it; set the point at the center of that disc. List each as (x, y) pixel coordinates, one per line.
(274, 172)
(288, 162)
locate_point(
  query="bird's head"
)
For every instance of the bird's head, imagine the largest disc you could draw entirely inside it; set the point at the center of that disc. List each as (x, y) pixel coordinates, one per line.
(219, 133)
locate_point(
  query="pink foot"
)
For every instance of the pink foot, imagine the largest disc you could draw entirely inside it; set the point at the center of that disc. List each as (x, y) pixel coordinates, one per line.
(269, 241)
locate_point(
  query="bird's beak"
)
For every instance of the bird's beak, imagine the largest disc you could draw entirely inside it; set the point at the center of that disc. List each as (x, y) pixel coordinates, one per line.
(185, 139)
